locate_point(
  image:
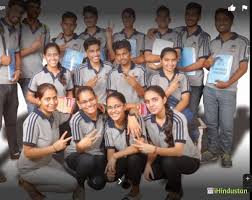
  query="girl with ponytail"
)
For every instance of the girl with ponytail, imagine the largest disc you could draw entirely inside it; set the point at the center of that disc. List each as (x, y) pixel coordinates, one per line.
(170, 150)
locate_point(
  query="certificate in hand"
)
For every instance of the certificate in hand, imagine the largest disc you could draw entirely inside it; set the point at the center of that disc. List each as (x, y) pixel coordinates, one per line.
(187, 57)
(12, 65)
(65, 104)
(133, 45)
(159, 45)
(221, 69)
(72, 59)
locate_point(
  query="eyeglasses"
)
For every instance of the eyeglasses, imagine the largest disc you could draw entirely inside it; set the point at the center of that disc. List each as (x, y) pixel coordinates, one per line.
(115, 107)
(88, 100)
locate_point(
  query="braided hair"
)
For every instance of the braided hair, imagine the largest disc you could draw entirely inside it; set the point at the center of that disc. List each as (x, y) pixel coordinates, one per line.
(168, 115)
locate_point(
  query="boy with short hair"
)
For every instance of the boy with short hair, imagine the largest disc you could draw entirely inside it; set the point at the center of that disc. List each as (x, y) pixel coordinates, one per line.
(220, 97)
(128, 78)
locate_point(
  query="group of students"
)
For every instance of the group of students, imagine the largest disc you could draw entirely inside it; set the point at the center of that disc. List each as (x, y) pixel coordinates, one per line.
(107, 132)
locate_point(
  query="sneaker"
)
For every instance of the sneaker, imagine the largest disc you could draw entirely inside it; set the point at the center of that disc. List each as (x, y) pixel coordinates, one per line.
(226, 160)
(208, 156)
(125, 184)
(31, 190)
(174, 195)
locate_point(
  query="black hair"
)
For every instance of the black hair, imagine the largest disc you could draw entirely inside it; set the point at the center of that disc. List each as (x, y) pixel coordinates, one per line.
(51, 44)
(119, 96)
(42, 88)
(168, 114)
(38, 2)
(62, 77)
(20, 3)
(130, 11)
(193, 5)
(91, 41)
(163, 9)
(90, 9)
(120, 44)
(69, 15)
(225, 11)
(84, 89)
(166, 50)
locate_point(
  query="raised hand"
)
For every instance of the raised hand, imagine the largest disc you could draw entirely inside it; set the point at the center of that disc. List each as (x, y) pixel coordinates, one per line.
(61, 143)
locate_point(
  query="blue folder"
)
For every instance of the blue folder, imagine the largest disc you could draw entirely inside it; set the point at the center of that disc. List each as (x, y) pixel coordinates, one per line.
(72, 59)
(12, 65)
(221, 69)
(187, 57)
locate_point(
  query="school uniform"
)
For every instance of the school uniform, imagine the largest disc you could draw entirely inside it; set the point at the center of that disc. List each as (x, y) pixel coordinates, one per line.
(200, 41)
(87, 72)
(44, 76)
(117, 82)
(32, 63)
(137, 37)
(220, 104)
(133, 165)
(93, 158)
(74, 43)
(169, 35)
(100, 34)
(171, 167)
(45, 173)
(9, 38)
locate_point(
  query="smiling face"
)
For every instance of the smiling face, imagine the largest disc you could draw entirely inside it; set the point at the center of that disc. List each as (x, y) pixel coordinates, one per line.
(88, 102)
(48, 102)
(14, 14)
(154, 102)
(192, 17)
(116, 109)
(169, 61)
(68, 26)
(223, 23)
(90, 19)
(52, 56)
(93, 53)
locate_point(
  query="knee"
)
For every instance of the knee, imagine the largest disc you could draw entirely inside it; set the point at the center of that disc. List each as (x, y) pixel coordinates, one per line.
(86, 162)
(168, 163)
(69, 185)
(96, 182)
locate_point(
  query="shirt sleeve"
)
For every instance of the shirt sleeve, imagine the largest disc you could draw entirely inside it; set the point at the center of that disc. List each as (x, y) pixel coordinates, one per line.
(180, 130)
(244, 50)
(109, 142)
(31, 130)
(154, 80)
(33, 85)
(184, 84)
(75, 128)
(111, 82)
(148, 44)
(204, 46)
(69, 81)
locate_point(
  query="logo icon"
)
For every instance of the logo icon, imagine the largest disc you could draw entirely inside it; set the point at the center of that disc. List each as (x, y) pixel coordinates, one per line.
(231, 8)
(244, 7)
(210, 190)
